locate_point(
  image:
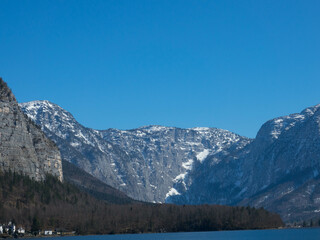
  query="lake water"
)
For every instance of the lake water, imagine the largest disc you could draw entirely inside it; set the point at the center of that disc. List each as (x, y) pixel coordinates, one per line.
(283, 234)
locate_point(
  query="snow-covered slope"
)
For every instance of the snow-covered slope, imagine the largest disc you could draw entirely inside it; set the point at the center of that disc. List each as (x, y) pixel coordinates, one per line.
(145, 163)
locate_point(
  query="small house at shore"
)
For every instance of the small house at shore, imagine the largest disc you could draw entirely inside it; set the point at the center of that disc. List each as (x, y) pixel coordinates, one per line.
(21, 230)
(47, 232)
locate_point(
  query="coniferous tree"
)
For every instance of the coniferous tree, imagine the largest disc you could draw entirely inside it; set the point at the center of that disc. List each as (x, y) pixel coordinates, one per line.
(36, 226)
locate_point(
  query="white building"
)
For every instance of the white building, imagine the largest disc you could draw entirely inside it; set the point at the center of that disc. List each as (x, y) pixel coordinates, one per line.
(21, 230)
(1, 229)
(47, 232)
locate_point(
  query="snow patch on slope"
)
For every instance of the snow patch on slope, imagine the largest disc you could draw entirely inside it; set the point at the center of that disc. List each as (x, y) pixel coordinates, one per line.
(172, 192)
(188, 165)
(202, 155)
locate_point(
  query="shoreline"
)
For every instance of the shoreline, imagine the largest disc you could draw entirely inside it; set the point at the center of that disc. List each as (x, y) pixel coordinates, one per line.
(146, 233)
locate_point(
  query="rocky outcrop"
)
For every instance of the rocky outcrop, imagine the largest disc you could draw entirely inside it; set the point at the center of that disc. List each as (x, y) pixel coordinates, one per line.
(24, 148)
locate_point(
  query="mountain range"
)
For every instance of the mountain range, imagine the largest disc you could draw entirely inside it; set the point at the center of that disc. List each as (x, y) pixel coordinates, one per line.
(278, 170)
(40, 189)
(144, 163)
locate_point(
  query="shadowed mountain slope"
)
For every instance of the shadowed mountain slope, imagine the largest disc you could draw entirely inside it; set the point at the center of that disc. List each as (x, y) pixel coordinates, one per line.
(278, 170)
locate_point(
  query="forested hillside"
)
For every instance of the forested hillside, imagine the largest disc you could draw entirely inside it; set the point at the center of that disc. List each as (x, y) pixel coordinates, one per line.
(53, 204)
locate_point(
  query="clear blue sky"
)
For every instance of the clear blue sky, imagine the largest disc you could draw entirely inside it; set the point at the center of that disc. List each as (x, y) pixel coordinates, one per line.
(125, 64)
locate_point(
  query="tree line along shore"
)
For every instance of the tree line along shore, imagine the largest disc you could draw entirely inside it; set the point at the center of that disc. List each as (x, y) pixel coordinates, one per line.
(60, 205)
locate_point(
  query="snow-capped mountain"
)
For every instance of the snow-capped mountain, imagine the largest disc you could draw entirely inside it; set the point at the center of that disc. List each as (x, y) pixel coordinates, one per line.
(144, 163)
(278, 170)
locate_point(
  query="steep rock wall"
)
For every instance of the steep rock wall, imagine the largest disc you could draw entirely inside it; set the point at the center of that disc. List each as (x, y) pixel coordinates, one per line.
(23, 146)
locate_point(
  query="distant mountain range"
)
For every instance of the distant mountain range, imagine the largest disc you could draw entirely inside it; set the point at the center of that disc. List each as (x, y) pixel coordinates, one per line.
(278, 170)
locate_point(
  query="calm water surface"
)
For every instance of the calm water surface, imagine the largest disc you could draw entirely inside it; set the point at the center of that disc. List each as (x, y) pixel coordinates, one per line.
(284, 234)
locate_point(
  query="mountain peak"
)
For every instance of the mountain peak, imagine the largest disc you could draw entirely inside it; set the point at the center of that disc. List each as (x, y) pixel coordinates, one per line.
(154, 128)
(6, 94)
(311, 110)
(38, 104)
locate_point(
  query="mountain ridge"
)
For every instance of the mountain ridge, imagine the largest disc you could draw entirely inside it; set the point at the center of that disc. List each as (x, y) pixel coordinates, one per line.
(143, 162)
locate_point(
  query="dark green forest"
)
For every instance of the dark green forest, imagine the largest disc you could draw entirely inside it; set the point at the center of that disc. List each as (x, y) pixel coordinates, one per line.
(52, 204)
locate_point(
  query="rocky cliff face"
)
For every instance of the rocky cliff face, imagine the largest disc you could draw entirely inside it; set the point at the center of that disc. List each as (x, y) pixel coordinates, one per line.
(144, 163)
(23, 147)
